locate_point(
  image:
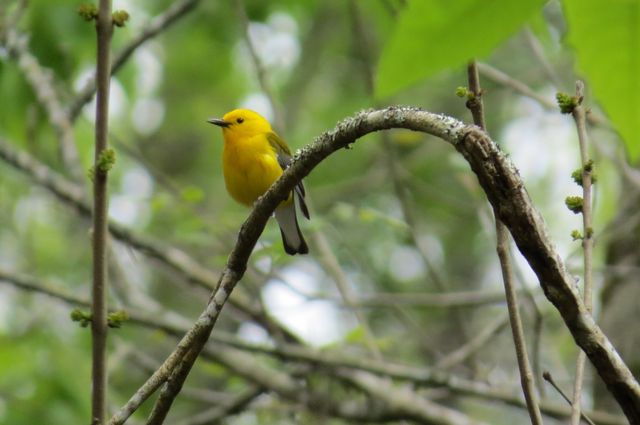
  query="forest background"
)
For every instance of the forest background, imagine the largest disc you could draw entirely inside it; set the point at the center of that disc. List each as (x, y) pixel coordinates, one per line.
(398, 314)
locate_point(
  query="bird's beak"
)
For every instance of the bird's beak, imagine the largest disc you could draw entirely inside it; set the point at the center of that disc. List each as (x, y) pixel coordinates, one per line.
(219, 122)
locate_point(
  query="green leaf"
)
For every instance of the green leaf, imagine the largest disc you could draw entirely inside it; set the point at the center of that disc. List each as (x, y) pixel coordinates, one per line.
(433, 35)
(356, 336)
(192, 194)
(606, 39)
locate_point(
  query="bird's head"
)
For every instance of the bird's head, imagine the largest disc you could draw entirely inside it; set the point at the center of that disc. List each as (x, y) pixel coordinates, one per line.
(242, 122)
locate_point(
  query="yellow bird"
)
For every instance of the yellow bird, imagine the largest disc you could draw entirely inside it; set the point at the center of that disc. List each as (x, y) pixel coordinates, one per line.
(254, 157)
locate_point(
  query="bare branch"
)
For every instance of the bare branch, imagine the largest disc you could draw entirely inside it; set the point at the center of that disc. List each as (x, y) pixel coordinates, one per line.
(475, 105)
(579, 117)
(547, 377)
(404, 400)
(225, 409)
(331, 265)
(507, 195)
(104, 28)
(504, 79)
(474, 344)
(538, 52)
(463, 299)
(31, 284)
(326, 359)
(41, 80)
(155, 27)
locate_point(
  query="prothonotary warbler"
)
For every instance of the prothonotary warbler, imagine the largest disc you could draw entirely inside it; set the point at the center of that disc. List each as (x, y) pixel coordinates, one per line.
(254, 157)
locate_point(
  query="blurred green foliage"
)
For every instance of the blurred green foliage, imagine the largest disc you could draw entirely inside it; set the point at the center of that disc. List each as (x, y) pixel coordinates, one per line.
(167, 184)
(606, 40)
(436, 35)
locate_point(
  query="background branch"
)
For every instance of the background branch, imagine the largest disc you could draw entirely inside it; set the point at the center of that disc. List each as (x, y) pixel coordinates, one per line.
(323, 359)
(474, 103)
(41, 81)
(587, 239)
(261, 73)
(547, 377)
(497, 76)
(159, 24)
(225, 409)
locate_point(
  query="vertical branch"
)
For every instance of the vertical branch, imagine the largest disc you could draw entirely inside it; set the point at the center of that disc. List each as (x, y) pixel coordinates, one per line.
(104, 29)
(526, 374)
(474, 103)
(537, 327)
(587, 239)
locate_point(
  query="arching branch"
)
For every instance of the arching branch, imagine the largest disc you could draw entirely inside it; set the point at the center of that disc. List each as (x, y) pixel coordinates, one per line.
(505, 190)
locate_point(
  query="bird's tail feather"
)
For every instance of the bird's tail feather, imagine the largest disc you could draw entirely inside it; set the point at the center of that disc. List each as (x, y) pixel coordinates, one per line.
(292, 238)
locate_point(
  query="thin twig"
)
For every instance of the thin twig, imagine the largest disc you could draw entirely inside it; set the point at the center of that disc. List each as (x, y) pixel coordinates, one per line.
(547, 377)
(474, 102)
(257, 64)
(538, 322)
(41, 81)
(461, 299)
(587, 240)
(104, 28)
(538, 52)
(593, 117)
(526, 374)
(157, 25)
(474, 344)
(497, 76)
(502, 235)
(397, 399)
(217, 413)
(30, 284)
(332, 266)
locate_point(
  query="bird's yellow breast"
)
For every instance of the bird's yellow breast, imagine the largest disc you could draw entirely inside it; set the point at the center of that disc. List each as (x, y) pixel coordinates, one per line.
(250, 166)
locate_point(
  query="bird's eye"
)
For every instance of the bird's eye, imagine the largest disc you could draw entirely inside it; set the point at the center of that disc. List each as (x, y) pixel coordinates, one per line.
(240, 120)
